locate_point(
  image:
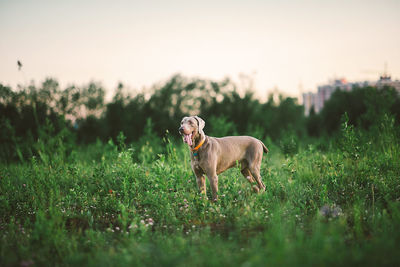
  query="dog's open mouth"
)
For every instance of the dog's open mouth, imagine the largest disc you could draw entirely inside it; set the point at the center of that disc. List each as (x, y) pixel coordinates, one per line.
(188, 139)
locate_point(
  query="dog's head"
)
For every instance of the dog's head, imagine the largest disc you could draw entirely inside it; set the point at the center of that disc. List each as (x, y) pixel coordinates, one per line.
(191, 129)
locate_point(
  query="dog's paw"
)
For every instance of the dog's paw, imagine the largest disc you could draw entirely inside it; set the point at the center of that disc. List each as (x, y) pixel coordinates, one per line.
(255, 188)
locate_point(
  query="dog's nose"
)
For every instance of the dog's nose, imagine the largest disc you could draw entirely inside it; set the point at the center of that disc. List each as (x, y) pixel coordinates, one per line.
(181, 129)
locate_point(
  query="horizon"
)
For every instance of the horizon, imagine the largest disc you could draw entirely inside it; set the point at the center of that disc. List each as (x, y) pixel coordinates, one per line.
(290, 46)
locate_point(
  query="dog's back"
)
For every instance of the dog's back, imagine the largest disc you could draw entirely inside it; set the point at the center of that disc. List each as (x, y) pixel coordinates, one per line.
(231, 150)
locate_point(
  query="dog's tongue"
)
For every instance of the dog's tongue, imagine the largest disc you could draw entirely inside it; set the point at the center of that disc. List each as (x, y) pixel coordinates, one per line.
(188, 139)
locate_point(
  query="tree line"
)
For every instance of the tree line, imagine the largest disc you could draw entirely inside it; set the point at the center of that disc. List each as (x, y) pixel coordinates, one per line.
(80, 115)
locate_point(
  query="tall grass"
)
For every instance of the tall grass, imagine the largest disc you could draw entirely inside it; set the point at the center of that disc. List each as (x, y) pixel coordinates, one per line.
(113, 204)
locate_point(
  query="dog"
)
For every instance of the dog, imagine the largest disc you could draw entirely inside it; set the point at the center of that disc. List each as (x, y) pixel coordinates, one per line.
(211, 155)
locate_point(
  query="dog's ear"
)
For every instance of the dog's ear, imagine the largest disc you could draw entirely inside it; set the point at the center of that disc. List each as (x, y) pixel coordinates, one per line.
(202, 123)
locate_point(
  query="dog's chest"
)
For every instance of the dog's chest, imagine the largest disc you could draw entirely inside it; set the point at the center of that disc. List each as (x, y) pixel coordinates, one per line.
(196, 163)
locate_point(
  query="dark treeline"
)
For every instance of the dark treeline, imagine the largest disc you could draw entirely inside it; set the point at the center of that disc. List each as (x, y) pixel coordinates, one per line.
(365, 108)
(80, 115)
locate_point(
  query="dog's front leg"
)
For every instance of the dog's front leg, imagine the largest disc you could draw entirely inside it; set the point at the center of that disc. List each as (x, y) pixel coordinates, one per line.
(201, 182)
(213, 178)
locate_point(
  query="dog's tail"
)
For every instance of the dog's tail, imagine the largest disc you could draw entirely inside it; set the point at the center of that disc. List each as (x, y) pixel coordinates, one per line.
(264, 147)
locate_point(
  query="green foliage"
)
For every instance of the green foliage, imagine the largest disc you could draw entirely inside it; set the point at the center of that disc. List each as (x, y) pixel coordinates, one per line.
(149, 144)
(350, 142)
(34, 118)
(314, 124)
(115, 204)
(129, 196)
(364, 107)
(84, 113)
(220, 126)
(289, 144)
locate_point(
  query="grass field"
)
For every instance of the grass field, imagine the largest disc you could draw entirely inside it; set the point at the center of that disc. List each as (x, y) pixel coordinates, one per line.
(115, 205)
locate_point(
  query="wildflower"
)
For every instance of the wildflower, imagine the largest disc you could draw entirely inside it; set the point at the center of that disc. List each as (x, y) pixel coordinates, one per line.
(24, 185)
(110, 191)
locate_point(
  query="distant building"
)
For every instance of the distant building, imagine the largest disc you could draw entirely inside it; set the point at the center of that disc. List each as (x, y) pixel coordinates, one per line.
(317, 100)
(324, 93)
(308, 102)
(386, 80)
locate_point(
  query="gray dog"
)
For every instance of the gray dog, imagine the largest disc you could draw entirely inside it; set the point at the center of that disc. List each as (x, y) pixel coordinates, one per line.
(211, 155)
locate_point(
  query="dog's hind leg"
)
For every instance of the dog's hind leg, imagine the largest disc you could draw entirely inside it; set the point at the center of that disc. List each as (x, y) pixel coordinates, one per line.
(255, 171)
(247, 174)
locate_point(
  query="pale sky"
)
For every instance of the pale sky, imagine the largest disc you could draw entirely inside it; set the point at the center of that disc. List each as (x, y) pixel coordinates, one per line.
(280, 44)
